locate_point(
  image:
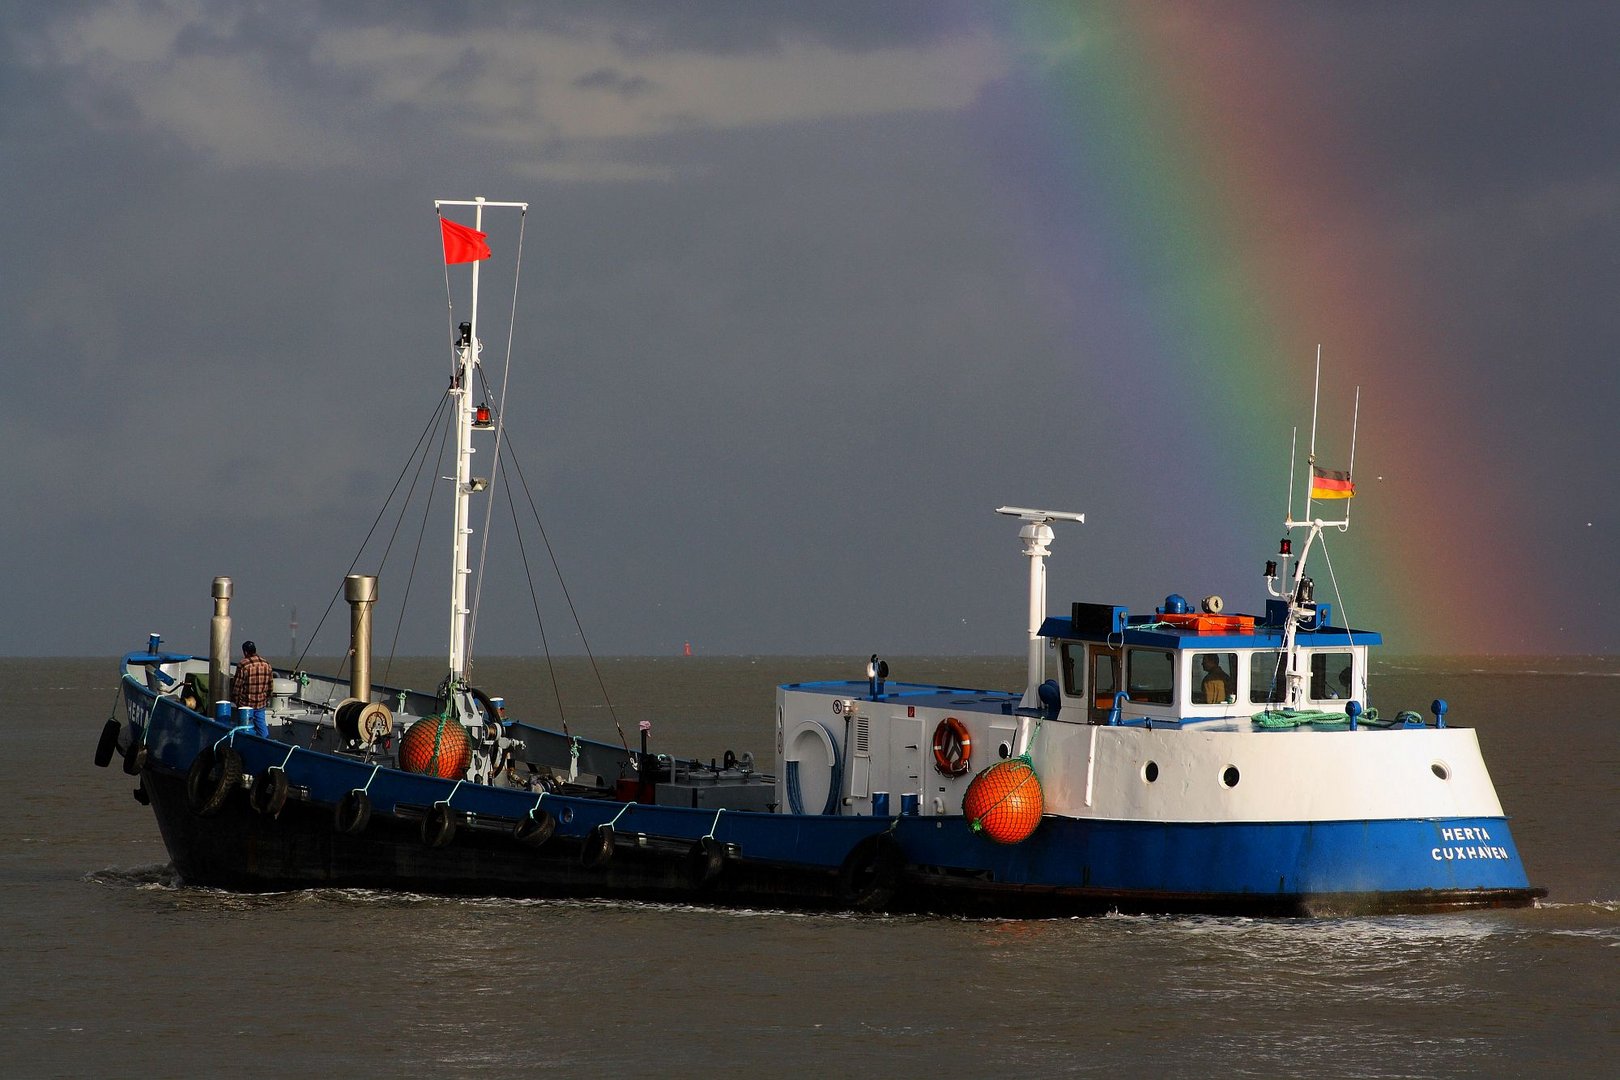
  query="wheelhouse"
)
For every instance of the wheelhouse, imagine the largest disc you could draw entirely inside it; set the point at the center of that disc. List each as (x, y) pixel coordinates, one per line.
(1185, 666)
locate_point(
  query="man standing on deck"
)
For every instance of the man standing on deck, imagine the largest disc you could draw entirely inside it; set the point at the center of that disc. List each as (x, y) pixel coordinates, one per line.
(250, 686)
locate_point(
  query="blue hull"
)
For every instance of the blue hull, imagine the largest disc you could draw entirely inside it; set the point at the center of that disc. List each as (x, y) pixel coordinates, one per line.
(812, 861)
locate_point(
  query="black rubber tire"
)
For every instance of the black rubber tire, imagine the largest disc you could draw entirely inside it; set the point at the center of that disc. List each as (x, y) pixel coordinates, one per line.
(870, 874)
(135, 756)
(269, 792)
(535, 828)
(439, 827)
(704, 861)
(214, 774)
(352, 813)
(108, 744)
(598, 849)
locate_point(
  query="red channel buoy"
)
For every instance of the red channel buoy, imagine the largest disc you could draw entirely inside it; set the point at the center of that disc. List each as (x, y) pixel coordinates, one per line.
(1005, 801)
(436, 746)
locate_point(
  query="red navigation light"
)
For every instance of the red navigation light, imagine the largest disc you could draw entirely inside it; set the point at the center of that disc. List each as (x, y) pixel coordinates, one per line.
(1287, 547)
(481, 416)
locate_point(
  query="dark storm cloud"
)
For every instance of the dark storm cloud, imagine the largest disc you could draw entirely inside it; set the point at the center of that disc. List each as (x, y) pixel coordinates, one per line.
(780, 350)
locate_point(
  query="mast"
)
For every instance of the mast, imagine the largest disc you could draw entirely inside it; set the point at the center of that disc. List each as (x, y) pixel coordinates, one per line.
(461, 386)
(1300, 592)
(1036, 535)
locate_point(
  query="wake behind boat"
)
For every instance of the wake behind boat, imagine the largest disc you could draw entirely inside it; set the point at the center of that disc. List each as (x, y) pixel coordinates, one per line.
(1182, 759)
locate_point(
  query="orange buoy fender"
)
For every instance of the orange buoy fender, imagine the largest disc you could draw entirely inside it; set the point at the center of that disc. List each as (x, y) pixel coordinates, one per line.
(437, 746)
(953, 747)
(1005, 801)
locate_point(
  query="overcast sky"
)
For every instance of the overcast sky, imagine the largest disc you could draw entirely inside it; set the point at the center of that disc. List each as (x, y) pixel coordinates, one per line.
(808, 289)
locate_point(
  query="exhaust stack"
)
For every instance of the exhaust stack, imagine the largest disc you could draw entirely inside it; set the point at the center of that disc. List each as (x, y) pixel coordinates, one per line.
(219, 645)
(360, 590)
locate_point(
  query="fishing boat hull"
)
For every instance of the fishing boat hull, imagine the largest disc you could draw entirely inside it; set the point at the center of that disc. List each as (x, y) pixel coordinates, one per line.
(611, 849)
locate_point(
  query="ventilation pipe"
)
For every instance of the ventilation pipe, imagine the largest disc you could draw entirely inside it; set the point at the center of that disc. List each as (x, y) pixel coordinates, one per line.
(219, 645)
(360, 590)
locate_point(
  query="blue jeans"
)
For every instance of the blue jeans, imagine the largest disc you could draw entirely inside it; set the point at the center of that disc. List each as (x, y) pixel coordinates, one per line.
(260, 728)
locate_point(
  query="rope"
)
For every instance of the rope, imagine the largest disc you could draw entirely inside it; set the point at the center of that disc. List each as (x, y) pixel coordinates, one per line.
(438, 733)
(375, 769)
(446, 800)
(1276, 719)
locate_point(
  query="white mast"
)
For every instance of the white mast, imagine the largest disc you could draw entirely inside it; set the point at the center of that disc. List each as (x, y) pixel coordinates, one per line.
(461, 386)
(1295, 696)
(1036, 534)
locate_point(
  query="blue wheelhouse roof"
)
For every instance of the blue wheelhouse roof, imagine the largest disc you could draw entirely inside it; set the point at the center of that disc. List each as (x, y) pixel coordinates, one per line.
(1148, 630)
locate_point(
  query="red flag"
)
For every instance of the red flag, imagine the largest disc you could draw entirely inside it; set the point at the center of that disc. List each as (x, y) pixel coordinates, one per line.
(462, 244)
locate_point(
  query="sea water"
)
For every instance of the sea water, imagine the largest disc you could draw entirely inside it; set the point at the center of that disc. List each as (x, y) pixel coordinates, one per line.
(112, 969)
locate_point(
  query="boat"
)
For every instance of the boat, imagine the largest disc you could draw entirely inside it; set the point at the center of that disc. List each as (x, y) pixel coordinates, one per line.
(1175, 758)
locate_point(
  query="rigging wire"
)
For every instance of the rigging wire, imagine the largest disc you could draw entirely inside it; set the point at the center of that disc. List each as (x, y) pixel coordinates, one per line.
(500, 426)
(370, 532)
(1344, 617)
(416, 555)
(601, 683)
(545, 643)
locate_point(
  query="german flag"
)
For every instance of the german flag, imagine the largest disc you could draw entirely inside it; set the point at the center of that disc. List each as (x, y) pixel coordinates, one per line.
(1331, 484)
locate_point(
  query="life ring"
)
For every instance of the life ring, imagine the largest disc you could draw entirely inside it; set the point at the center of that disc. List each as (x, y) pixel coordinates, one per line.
(598, 849)
(870, 873)
(108, 743)
(705, 860)
(269, 792)
(953, 747)
(352, 813)
(439, 827)
(213, 775)
(534, 828)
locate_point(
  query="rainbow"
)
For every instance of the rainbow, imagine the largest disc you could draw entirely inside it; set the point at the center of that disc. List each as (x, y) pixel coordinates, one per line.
(1192, 195)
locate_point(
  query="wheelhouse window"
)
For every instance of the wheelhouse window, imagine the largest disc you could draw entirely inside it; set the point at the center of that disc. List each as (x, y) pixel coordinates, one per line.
(1104, 679)
(1151, 676)
(1214, 678)
(1331, 674)
(1268, 679)
(1072, 670)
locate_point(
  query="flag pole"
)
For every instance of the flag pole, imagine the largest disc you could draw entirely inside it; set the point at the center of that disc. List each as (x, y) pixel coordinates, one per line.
(1316, 395)
(1355, 420)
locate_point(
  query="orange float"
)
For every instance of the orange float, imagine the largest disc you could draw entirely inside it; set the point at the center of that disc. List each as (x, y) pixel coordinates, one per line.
(437, 746)
(1005, 801)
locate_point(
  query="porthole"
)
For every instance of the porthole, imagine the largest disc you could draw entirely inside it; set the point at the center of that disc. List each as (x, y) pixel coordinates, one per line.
(1005, 751)
(1150, 771)
(567, 814)
(1439, 769)
(1229, 778)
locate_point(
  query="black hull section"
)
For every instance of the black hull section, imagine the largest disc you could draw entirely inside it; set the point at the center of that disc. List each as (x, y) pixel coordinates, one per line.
(241, 850)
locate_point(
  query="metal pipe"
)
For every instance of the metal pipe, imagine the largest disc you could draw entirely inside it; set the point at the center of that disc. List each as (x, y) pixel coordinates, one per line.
(360, 590)
(219, 644)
